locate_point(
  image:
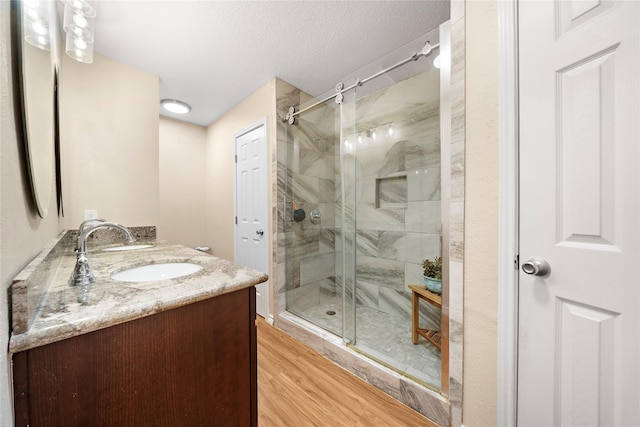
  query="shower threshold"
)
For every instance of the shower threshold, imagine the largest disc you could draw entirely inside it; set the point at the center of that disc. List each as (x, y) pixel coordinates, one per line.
(423, 356)
(382, 337)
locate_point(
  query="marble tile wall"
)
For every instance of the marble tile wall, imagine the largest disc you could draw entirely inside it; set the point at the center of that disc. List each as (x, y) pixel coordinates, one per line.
(396, 194)
(455, 294)
(397, 198)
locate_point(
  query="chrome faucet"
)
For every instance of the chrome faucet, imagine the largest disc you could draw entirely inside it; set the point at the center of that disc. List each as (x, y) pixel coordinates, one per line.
(82, 273)
(87, 222)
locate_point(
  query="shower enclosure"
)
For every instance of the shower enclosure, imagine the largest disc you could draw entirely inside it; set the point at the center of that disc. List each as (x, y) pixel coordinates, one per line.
(363, 207)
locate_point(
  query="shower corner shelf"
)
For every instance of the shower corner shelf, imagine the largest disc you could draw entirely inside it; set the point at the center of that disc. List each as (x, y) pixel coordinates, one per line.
(421, 293)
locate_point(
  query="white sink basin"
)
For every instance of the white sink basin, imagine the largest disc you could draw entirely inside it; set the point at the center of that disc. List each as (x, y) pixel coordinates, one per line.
(127, 248)
(152, 272)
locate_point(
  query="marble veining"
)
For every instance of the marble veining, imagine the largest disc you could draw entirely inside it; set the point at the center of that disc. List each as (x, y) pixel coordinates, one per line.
(456, 249)
(67, 311)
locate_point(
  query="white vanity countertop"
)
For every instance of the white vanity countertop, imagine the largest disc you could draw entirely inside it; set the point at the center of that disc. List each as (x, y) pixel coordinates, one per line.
(67, 311)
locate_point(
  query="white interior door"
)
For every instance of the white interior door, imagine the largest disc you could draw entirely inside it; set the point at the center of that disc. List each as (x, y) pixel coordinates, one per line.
(251, 236)
(579, 329)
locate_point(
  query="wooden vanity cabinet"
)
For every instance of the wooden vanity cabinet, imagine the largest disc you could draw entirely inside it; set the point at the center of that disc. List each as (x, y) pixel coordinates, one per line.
(194, 365)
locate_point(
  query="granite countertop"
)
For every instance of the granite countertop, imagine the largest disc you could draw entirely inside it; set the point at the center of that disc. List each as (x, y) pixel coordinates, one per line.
(66, 311)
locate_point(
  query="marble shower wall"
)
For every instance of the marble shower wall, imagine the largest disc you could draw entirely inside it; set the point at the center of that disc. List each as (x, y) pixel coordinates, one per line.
(397, 197)
(397, 192)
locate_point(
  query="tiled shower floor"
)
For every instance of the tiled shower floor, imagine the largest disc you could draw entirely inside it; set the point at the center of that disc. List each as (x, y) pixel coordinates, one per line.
(383, 337)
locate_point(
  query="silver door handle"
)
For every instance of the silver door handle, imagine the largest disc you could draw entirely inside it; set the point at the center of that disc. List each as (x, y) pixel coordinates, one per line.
(536, 267)
(260, 232)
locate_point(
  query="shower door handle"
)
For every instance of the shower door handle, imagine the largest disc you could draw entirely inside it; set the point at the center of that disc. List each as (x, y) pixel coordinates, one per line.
(260, 232)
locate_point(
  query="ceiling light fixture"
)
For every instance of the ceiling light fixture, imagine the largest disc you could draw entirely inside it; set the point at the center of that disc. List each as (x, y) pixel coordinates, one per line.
(79, 24)
(175, 106)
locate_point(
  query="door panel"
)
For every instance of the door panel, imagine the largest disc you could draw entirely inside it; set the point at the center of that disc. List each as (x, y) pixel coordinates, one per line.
(251, 209)
(586, 142)
(579, 327)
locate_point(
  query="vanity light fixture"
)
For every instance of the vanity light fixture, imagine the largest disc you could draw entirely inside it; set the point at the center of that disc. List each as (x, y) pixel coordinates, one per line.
(175, 106)
(79, 25)
(84, 7)
(35, 23)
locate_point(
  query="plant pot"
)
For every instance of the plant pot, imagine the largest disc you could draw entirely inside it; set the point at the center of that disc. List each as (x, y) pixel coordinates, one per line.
(433, 285)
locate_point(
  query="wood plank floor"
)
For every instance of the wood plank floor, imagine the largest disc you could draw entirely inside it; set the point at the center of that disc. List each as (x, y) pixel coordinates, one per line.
(298, 387)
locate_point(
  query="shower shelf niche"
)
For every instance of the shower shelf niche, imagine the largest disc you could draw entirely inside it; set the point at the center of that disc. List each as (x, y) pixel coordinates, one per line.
(391, 192)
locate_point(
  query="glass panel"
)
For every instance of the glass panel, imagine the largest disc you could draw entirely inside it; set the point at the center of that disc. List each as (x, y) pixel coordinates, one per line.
(313, 283)
(397, 147)
(347, 208)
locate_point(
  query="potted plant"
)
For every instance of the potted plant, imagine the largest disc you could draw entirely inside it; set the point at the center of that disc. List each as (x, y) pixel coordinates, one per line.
(433, 274)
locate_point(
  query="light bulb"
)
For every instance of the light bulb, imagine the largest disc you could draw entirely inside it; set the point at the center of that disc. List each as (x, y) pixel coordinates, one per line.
(39, 28)
(80, 20)
(390, 131)
(80, 44)
(33, 14)
(86, 8)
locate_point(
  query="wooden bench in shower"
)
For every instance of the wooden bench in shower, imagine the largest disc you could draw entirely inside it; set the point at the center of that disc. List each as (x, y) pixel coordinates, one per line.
(421, 293)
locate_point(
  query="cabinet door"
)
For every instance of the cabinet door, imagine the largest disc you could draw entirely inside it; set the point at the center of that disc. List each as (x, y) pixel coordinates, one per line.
(193, 365)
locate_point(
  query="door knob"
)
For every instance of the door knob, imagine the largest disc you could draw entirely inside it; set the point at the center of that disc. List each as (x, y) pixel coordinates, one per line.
(260, 232)
(536, 267)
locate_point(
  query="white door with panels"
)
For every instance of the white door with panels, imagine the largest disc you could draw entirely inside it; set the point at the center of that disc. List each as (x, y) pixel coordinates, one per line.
(579, 324)
(251, 234)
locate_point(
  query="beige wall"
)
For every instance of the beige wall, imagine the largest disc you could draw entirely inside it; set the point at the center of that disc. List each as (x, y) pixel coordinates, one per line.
(109, 134)
(220, 164)
(182, 217)
(22, 232)
(481, 216)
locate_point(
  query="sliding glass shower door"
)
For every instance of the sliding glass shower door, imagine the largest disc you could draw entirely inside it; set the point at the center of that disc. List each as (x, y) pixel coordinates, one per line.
(363, 209)
(314, 217)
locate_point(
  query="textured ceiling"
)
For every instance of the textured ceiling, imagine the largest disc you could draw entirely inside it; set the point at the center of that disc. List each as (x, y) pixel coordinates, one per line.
(214, 54)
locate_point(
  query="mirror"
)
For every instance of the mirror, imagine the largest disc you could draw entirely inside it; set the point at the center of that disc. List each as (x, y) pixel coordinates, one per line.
(36, 27)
